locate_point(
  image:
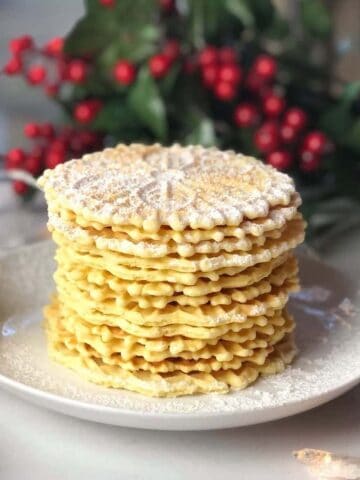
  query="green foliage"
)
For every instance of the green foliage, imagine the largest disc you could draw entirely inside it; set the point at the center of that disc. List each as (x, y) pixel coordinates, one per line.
(102, 28)
(315, 17)
(146, 102)
(202, 130)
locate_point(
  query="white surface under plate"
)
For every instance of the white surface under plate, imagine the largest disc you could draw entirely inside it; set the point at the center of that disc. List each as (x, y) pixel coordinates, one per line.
(328, 336)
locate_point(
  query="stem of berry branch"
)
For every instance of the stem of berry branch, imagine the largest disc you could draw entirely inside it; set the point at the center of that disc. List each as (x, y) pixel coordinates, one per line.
(17, 174)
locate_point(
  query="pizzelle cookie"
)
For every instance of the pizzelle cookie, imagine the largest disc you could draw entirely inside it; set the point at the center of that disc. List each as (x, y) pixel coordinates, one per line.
(175, 266)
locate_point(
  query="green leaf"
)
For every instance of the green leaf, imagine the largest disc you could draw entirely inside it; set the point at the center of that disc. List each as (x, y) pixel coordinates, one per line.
(167, 83)
(89, 36)
(100, 27)
(145, 101)
(114, 117)
(263, 12)
(241, 10)
(203, 132)
(197, 23)
(134, 49)
(213, 16)
(128, 13)
(279, 28)
(336, 121)
(315, 17)
(352, 139)
(351, 92)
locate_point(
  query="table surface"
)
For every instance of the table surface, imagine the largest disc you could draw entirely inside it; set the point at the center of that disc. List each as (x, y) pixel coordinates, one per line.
(44, 445)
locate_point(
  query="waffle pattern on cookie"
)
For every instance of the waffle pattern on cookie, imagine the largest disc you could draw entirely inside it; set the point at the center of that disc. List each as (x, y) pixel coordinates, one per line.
(175, 265)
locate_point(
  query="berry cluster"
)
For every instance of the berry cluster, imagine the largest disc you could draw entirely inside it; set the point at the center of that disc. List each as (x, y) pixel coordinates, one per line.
(50, 147)
(47, 66)
(219, 72)
(281, 133)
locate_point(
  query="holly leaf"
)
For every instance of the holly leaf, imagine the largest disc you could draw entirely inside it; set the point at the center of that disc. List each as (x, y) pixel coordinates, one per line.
(90, 35)
(242, 11)
(279, 28)
(134, 46)
(203, 132)
(146, 102)
(101, 26)
(351, 92)
(315, 17)
(114, 117)
(263, 11)
(167, 83)
(336, 121)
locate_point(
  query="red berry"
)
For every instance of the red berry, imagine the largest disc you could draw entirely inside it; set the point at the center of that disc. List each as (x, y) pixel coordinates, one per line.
(265, 66)
(271, 126)
(167, 5)
(230, 73)
(288, 134)
(124, 72)
(20, 44)
(89, 138)
(36, 74)
(225, 91)
(54, 46)
(76, 143)
(208, 56)
(14, 158)
(52, 90)
(33, 165)
(13, 66)
(82, 140)
(254, 82)
(296, 118)
(54, 158)
(315, 142)
(19, 187)
(76, 71)
(273, 105)
(108, 3)
(32, 130)
(280, 159)
(245, 115)
(209, 75)
(86, 111)
(65, 136)
(47, 130)
(172, 49)
(266, 139)
(58, 145)
(37, 152)
(227, 55)
(309, 161)
(159, 65)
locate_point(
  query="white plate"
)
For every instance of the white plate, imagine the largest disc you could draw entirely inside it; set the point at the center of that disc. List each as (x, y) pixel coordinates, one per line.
(328, 336)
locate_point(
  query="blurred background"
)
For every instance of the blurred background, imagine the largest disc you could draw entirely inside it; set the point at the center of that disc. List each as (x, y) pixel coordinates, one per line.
(188, 71)
(25, 221)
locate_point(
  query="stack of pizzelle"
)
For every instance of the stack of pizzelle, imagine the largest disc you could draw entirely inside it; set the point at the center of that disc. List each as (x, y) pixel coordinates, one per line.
(175, 265)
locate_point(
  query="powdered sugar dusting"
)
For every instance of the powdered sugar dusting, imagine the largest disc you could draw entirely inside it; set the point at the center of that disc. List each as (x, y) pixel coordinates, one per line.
(150, 186)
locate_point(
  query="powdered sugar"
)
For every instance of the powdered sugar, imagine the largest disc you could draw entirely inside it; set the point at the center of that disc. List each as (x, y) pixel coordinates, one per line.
(150, 186)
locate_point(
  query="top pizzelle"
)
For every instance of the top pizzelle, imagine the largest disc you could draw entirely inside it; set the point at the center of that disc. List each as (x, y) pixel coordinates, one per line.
(153, 186)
